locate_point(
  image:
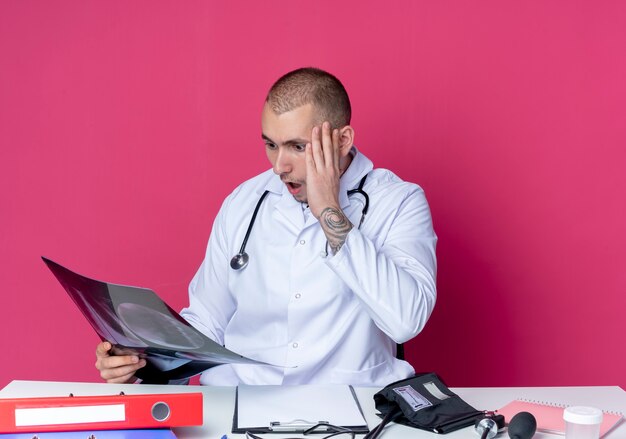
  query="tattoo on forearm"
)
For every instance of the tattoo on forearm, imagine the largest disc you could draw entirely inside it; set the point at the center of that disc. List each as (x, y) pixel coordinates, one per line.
(336, 226)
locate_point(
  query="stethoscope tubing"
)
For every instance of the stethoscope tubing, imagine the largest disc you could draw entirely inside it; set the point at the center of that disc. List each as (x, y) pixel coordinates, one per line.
(240, 260)
(359, 190)
(256, 210)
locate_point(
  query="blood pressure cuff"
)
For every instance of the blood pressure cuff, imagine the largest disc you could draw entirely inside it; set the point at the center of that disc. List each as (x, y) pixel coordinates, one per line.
(425, 402)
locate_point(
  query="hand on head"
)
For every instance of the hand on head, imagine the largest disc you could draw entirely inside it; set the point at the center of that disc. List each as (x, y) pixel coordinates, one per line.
(116, 368)
(322, 169)
(327, 157)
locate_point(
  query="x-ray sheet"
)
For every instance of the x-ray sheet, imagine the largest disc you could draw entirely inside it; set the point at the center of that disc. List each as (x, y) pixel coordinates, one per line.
(136, 321)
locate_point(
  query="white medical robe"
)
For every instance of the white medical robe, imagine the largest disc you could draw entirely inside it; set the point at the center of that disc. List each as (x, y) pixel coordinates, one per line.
(326, 318)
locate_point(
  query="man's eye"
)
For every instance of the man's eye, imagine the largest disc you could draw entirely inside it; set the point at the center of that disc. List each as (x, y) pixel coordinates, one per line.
(270, 146)
(299, 148)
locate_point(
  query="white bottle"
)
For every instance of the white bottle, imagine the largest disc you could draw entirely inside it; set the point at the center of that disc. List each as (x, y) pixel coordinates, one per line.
(582, 422)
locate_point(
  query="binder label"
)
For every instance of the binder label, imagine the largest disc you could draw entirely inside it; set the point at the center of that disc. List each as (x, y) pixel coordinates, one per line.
(69, 415)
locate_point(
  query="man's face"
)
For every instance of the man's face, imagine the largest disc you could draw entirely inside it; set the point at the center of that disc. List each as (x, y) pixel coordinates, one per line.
(285, 137)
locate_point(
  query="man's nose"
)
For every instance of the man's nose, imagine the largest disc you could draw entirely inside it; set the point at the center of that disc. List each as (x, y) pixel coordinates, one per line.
(282, 164)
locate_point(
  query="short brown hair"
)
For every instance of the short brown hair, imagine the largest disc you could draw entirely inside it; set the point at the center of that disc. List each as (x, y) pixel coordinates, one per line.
(310, 85)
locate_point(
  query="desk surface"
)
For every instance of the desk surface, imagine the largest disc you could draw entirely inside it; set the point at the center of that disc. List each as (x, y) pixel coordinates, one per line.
(219, 404)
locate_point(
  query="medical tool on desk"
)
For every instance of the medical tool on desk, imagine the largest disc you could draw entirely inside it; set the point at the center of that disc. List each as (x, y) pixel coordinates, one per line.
(240, 260)
(522, 426)
(489, 425)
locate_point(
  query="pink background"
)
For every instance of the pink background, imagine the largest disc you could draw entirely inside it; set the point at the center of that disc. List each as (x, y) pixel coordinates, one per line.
(123, 125)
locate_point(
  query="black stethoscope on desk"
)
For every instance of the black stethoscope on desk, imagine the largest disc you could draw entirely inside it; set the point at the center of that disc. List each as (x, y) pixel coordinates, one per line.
(240, 260)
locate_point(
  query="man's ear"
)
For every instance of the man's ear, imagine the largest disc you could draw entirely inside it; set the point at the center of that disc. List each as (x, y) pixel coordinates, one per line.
(346, 140)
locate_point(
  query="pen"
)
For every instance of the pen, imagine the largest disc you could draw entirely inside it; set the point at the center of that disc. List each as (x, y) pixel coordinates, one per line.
(224, 437)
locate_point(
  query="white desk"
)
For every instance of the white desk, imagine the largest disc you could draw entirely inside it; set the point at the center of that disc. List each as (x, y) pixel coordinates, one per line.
(219, 404)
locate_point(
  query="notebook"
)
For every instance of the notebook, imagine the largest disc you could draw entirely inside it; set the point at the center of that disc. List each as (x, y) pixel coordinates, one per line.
(550, 415)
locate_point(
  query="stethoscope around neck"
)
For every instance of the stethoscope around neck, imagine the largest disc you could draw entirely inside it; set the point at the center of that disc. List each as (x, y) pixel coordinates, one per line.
(240, 260)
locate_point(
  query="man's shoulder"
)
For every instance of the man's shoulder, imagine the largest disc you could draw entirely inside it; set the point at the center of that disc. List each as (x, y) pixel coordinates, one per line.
(386, 181)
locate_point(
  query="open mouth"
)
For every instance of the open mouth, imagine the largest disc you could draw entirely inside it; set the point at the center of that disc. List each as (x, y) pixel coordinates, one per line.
(293, 188)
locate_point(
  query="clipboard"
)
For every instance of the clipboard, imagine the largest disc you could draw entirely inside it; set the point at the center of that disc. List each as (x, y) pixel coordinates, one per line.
(293, 409)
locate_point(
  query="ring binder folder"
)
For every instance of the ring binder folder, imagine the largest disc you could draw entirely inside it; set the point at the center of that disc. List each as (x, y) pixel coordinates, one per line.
(73, 413)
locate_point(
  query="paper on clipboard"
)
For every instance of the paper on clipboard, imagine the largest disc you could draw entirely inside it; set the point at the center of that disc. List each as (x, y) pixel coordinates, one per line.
(277, 409)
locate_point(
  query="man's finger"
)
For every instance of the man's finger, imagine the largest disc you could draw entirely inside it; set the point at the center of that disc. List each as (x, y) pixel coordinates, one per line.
(336, 148)
(308, 159)
(118, 361)
(328, 148)
(121, 374)
(102, 350)
(316, 146)
(120, 380)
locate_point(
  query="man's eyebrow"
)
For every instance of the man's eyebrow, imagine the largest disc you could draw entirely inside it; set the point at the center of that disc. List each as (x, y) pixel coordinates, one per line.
(296, 141)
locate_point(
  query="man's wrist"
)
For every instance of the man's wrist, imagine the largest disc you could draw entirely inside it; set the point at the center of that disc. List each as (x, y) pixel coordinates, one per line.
(336, 226)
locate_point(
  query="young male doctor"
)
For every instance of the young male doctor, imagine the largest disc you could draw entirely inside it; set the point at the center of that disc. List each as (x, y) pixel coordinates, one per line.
(335, 277)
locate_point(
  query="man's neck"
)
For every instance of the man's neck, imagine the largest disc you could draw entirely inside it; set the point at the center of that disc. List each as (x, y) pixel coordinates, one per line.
(347, 160)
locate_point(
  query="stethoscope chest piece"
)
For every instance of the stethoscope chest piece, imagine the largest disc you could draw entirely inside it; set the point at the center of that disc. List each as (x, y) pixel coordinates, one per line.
(239, 261)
